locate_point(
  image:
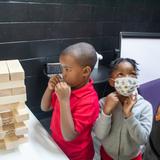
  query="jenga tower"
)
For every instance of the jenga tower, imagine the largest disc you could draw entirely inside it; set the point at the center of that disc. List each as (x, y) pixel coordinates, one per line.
(13, 112)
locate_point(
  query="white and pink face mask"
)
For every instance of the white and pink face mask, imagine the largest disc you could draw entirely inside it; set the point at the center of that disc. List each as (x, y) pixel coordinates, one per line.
(126, 86)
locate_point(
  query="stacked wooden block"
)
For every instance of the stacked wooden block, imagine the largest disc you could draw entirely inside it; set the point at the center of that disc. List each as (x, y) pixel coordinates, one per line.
(13, 112)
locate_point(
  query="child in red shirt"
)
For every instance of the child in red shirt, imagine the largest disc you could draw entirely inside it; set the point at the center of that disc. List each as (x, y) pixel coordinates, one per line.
(74, 102)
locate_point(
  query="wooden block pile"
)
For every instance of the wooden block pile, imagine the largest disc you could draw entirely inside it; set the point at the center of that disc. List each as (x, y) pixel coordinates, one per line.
(13, 112)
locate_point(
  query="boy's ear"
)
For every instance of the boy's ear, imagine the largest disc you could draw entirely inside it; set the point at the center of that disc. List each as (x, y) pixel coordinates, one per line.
(86, 71)
(111, 82)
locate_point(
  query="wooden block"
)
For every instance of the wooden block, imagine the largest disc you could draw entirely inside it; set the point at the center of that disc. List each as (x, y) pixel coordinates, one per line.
(14, 128)
(12, 106)
(21, 115)
(9, 127)
(1, 122)
(5, 107)
(6, 118)
(13, 141)
(15, 69)
(4, 73)
(19, 105)
(5, 92)
(22, 139)
(20, 90)
(7, 130)
(2, 134)
(20, 128)
(7, 122)
(13, 116)
(2, 145)
(6, 114)
(11, 84)
(13, 99)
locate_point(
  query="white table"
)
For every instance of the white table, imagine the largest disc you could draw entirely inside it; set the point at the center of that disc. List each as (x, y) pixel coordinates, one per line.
(40, 145)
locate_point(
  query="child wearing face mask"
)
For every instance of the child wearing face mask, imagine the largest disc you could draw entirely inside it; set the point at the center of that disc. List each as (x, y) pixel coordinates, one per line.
(125, 121)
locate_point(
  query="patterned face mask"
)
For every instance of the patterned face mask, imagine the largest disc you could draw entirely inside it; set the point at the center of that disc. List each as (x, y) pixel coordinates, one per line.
(126, 86)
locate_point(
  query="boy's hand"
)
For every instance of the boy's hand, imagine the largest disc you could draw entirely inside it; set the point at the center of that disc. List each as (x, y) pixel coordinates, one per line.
(63, 91)
(110, 103)
(53, 81)
(128, 105)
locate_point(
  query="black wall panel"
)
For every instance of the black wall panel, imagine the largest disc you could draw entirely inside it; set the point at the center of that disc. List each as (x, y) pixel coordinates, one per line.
(35, 32)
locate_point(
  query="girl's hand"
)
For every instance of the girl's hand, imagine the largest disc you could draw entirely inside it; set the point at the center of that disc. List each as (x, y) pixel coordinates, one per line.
(53, 81)
(128, 105)
(110, 103)
(63, 91)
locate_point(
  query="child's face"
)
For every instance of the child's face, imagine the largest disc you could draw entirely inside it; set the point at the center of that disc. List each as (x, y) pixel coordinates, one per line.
(123, 69)
(73, 73)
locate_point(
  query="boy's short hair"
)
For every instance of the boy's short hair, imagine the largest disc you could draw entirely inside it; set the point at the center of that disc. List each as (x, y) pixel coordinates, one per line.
(116, 62)
(84, 53)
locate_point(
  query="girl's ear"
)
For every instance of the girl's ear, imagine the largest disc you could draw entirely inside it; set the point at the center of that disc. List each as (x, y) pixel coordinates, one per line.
(111, 82)
(86, 71)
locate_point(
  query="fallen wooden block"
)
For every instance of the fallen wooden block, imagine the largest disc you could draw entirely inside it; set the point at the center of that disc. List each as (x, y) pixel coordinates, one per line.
(15, 69)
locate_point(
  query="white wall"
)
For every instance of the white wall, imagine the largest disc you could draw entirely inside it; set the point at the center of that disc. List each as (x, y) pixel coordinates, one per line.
(147, 53)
